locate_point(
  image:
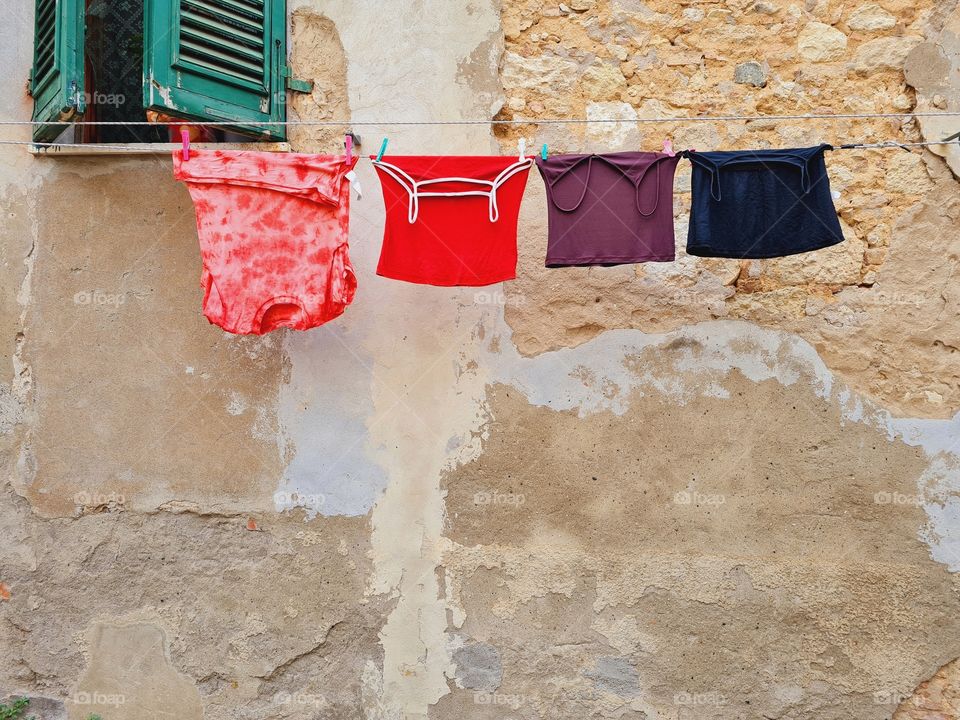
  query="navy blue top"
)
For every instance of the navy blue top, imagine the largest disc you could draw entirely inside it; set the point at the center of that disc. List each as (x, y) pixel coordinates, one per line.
(761, 203)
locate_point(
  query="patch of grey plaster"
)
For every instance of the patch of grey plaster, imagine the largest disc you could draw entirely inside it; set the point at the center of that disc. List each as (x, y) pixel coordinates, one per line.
(938, 492)
(478, 667)
(327, 438)
(616, 675)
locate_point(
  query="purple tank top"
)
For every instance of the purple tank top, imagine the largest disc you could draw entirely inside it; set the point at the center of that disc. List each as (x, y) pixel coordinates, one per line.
(609, 209)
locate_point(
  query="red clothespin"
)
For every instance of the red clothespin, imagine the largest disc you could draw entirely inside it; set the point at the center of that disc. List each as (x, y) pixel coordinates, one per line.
(348, 143)
(185, 137)
(668, 147)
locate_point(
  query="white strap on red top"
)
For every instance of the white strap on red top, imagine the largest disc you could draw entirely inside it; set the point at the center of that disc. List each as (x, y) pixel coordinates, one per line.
(415, 191)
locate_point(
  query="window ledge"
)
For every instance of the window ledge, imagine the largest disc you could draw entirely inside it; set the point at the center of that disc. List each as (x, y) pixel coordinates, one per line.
(148, 148)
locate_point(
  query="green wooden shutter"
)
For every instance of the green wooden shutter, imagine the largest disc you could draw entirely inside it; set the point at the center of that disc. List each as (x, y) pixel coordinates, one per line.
(219, 60)
(56, 82)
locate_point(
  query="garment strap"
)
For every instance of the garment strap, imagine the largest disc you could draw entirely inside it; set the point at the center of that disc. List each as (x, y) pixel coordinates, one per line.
(711, 167)
(586, 185)
(415, 191)
(656, 200)
(806, 183)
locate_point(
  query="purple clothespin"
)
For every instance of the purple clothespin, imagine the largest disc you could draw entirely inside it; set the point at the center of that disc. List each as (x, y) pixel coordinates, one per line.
(185, 138)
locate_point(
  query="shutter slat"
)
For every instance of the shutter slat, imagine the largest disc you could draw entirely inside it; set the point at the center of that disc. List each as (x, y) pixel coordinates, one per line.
(247, 34)
(57, 76)
(217, 60)
(45, 8)
(204, 54)
(231, 10)
(251, 26)
(221, 46)
(44, 57)
(218, 46)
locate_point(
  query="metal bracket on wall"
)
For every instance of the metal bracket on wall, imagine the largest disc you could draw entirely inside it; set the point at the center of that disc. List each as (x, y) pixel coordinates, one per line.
(296, 84)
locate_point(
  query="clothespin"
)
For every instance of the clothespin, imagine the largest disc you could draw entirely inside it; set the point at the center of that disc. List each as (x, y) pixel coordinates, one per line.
(668, 147)
(543, 152)
(185, 138)
(348, 144)
(522, 146)
(383, 149)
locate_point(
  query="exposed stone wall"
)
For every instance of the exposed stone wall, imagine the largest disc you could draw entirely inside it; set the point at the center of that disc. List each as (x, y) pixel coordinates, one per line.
(630, 60)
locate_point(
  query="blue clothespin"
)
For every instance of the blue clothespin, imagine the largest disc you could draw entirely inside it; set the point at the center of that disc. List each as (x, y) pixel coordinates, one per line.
(383, 149)
(543, 152)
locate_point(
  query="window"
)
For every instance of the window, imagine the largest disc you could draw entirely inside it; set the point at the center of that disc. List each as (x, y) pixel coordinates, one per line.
(138, 60)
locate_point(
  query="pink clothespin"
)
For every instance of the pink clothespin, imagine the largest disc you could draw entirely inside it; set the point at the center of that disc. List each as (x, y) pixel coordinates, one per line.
(185, 137)
(668, 148)
(348, 143)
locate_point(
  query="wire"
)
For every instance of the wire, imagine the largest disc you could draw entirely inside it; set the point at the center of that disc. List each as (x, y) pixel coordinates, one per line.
(526, 121)
(889, 145)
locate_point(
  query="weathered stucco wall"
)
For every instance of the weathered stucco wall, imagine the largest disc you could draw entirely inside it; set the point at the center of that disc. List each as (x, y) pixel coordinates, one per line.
(708, 489)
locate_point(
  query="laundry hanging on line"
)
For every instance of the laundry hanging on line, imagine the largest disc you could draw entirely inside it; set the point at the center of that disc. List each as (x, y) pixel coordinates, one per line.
(273, 227)
(609, 209)
(758, 204)
(273, 231)
(451, 220)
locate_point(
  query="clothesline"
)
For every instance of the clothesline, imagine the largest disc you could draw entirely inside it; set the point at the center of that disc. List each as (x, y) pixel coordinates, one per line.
(524, 121)
(890, 144)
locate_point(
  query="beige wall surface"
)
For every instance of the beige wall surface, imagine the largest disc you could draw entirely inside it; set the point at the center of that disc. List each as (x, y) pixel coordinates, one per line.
(709, 489)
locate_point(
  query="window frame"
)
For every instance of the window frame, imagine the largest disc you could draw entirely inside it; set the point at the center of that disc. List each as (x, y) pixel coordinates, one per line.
(172, 84)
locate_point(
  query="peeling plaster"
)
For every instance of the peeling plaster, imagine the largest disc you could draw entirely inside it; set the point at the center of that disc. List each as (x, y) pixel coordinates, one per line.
(710, 352)
(394, 357)
(416, 364)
